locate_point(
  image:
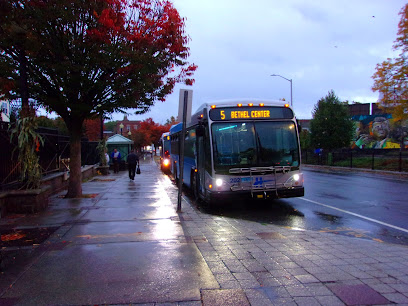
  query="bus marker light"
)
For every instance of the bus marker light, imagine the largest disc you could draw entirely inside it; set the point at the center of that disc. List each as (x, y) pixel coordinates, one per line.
(261, 104)
(251, 104)
(195, 170)
(213, 106)
(201, 116)
(210, 186)
(286, 105)
(239, 105)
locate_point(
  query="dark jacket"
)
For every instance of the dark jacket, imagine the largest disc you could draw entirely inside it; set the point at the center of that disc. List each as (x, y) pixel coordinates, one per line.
(132, 159)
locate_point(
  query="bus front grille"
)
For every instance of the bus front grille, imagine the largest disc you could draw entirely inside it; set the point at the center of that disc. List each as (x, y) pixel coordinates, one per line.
(266, 187)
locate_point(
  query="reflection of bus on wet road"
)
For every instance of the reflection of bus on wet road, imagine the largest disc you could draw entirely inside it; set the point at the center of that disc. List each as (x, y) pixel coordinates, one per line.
(240, 148)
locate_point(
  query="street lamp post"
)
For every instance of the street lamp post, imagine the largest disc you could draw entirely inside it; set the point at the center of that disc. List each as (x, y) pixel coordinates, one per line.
(129, 135)
(290, 80)
(121, 128)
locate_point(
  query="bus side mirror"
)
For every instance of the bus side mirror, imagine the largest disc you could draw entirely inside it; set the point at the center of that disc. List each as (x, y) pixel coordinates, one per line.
(200, 131)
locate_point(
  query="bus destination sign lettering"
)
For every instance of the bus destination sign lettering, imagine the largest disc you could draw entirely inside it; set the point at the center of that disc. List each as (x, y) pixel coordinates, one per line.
(253, 113)
(249, 114)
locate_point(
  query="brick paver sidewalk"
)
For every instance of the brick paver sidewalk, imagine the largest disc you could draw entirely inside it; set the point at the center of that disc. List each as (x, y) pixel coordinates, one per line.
(268, 264)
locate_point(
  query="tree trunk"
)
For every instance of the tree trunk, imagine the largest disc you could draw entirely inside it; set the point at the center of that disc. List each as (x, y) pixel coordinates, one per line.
(75, 177)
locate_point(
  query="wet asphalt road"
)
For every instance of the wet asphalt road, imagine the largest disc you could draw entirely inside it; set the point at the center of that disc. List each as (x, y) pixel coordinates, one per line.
(354, 204)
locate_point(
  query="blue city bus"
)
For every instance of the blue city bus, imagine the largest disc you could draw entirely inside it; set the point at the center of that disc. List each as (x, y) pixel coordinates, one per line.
(189, 154)
(165, 152)
(240, 148)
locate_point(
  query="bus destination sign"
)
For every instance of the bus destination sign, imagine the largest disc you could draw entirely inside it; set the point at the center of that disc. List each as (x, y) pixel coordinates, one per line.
(252, 113)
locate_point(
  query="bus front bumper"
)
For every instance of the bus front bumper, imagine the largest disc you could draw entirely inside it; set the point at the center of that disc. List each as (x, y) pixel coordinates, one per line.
(214, 196)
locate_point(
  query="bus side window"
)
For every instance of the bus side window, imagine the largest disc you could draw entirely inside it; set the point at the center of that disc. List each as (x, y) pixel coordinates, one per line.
(189, 145)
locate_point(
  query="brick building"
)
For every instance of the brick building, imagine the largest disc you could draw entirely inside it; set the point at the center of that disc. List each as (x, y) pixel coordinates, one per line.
(127, 126)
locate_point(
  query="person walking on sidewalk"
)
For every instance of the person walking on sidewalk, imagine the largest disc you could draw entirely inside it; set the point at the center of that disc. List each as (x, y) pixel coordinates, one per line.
(132, 160)
(116, 160)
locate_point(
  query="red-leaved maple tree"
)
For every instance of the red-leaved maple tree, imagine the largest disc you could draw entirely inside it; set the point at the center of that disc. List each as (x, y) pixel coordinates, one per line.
(93, 129)
(391, 76)
(148, 133)
(92, 57)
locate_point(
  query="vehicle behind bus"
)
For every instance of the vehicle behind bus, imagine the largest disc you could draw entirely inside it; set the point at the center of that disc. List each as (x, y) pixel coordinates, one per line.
(240, 149)
(165, 152)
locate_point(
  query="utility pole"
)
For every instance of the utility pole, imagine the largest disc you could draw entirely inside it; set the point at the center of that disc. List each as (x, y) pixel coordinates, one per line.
(181, 161)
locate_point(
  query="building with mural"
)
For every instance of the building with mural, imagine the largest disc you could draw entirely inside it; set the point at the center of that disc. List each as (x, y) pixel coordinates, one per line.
(378, 132)
(374, 129)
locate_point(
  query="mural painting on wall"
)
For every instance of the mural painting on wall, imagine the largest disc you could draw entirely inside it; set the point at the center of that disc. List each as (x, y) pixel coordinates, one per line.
(378, 132)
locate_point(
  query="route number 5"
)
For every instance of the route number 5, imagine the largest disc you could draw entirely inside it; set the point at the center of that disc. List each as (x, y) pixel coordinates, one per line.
(222, 115)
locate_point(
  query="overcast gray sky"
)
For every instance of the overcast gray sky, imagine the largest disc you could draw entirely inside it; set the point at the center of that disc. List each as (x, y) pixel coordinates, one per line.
(319, 44)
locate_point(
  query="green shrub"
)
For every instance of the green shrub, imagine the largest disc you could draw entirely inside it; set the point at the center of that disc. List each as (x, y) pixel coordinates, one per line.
(28, 144)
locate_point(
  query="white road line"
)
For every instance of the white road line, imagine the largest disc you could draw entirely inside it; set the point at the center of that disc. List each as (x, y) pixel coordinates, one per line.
(356, 215)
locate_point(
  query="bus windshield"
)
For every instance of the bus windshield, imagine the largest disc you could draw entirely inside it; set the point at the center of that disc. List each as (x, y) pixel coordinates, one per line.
(254, 144)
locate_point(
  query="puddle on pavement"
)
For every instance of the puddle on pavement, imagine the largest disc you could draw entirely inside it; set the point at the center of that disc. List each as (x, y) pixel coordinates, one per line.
(270, 211)
(332, 196)
(328, 217)
(75, 211)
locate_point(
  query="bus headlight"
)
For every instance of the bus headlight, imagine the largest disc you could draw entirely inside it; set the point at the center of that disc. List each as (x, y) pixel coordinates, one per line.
(218, 182)
(166, 162)
(295, 180)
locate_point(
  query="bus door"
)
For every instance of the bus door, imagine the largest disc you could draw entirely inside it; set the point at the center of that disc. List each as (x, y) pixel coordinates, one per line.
(200, 161)
(200, 164)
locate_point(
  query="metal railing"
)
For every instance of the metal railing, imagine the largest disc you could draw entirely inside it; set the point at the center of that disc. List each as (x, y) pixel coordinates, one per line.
(374, 159)
(54, 154)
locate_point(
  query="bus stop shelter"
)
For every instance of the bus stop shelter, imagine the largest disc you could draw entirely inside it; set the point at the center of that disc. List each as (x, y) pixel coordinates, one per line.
(122, 144)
